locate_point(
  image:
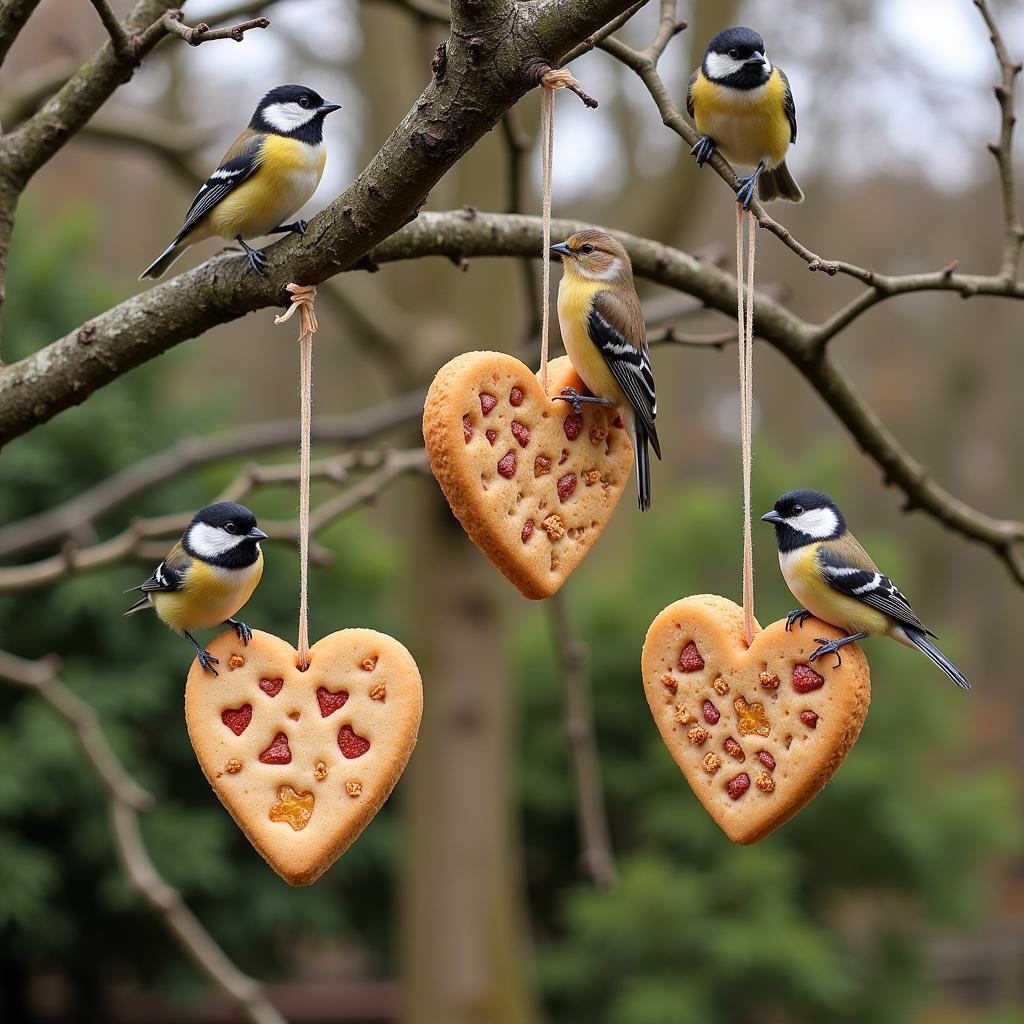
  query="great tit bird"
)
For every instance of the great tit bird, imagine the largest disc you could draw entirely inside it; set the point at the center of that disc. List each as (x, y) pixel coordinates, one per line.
(208, 575)
(270, 171)
(743, 107)
(834, 578)
(606, 339)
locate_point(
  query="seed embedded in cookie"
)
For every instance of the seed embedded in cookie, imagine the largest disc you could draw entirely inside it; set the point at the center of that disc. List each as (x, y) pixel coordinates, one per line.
(353, 788)
(271, 687)
(237, 719)
(351, 744)
(697, 735)
(769, 680)
(711, 763)
(233, 766)
(805, 679)
(553, 527)
(379, 692)
(721, 686)
(690, 659)
(320, 771)
(683, 716)
(369, 663)
(764, 782)
(669, 683)
(236, 661)
(293, 808)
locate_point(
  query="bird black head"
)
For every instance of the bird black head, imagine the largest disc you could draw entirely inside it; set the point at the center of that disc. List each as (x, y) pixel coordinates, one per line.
(295, 111)
(804, 517)
(225, 535)
(736, 57)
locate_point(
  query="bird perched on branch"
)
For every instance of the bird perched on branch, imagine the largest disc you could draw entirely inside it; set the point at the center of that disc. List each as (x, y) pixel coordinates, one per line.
(268, 174)
(743, 107)
(208, 575)
(605, 337)
(834, 578)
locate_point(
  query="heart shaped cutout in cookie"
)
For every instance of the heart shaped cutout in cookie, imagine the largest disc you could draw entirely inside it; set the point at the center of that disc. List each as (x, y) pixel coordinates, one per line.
(303, 760)
(757, 732)
(532, 482)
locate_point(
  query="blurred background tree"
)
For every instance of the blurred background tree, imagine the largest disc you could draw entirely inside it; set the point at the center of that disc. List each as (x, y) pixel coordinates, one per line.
(896, 896)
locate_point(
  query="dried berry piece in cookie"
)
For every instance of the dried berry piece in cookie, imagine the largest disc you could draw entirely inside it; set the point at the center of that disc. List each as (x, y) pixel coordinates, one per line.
(766, 759)
(515, 396)
(491, 435)
(237, 719)
(330, 700)
(572, 426)
(690, 659)
(487, 402)
(711, 713)
(278, 752)
(806, 679)
(527, 530)
(733, 749)
(467, 428)
(809, 718)
(521, 432)
(566, 485)
(507, 465)
(351, 744)
(738, 785)
(271, 687)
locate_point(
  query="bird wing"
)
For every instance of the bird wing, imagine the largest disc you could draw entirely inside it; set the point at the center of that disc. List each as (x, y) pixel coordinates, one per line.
(689, 92)
(848, 569)
(788, 105)
(616, 327)
(239, 163)
(169, 575)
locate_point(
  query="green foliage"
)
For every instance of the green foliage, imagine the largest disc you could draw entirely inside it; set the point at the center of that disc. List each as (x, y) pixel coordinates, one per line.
(64, 905)
(698, 929)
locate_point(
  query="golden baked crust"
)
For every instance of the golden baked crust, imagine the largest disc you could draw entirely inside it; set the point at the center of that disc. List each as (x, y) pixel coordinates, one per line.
(749, 703)
(303, 801)
(532, 482)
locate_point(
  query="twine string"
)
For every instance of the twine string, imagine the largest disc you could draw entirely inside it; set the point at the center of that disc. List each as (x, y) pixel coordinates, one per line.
(302, 300)
(552, 79)
(745, 328)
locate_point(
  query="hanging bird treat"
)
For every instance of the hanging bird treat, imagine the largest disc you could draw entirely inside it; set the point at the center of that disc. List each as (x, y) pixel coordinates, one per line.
(532, 482)
(304, 760)
(757, 731)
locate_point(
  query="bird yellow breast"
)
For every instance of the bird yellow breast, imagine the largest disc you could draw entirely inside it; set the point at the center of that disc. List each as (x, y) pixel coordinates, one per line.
(575, 301)
(803, 576)
(286, 178)
(208, 597)
(747, 125)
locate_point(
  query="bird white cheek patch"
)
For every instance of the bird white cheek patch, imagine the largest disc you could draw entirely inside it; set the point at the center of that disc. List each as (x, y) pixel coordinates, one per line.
(304, 760)
(756, 732)
(532, 482)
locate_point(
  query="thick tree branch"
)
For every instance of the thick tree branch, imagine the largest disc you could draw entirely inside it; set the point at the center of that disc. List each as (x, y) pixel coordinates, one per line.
(125, 799)
(13, 15)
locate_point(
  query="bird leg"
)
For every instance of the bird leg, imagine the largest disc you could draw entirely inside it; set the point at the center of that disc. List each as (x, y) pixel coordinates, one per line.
(703, 149)
(257, 260)
(206, 659)
(243, 631)
(747, 184)
(578, 400)
(832, 646)
(799, 616)
(298, 228)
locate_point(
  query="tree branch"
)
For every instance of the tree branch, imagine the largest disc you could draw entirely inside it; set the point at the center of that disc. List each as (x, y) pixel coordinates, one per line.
(596, 852)
(13, 15)
(119, 38)
(174, 22)
(125, 799)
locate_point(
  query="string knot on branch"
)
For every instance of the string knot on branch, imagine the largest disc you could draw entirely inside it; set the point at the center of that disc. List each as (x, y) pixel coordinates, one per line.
(562, 78)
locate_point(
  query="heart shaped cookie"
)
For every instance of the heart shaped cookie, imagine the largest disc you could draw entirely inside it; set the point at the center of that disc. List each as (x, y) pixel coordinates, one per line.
(757, 732)
(532, 482)
(303, 760)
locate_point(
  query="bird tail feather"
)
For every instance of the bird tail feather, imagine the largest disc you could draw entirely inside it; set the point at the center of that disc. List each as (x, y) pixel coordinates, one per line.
(163, 261)
(642, 457)
(778, 184)
(920, 640)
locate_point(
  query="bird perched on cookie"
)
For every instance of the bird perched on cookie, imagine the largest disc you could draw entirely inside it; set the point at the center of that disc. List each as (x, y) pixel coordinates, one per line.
(743, 107)
(834, 578)
(269, 173)
(208, 575)
(606, 339)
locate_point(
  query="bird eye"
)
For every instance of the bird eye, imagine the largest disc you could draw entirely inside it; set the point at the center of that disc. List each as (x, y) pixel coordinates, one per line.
(231, 528)
(304, 101)
(734, 53)
(586, 249)
(798, 510)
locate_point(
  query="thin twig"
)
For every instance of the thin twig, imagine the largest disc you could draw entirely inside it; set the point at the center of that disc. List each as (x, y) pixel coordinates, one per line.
(202, 33)
(119, 38)
(126, 799)
(596, 854)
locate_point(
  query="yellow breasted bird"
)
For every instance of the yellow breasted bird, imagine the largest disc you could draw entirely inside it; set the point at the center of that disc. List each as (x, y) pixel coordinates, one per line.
(268, 174)
(208, 575)
(605, 337)
(834, 579)
(743, 107)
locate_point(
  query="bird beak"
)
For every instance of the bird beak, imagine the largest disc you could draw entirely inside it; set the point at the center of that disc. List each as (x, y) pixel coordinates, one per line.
(562, 248)
(329, 108)
(755, 59)
(772, 517)
(256, 534)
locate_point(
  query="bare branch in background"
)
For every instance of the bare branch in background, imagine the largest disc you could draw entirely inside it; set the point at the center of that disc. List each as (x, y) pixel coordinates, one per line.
(13, 15)
(126, 799)
(119, 38)
(202, 33)
(596, 852)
